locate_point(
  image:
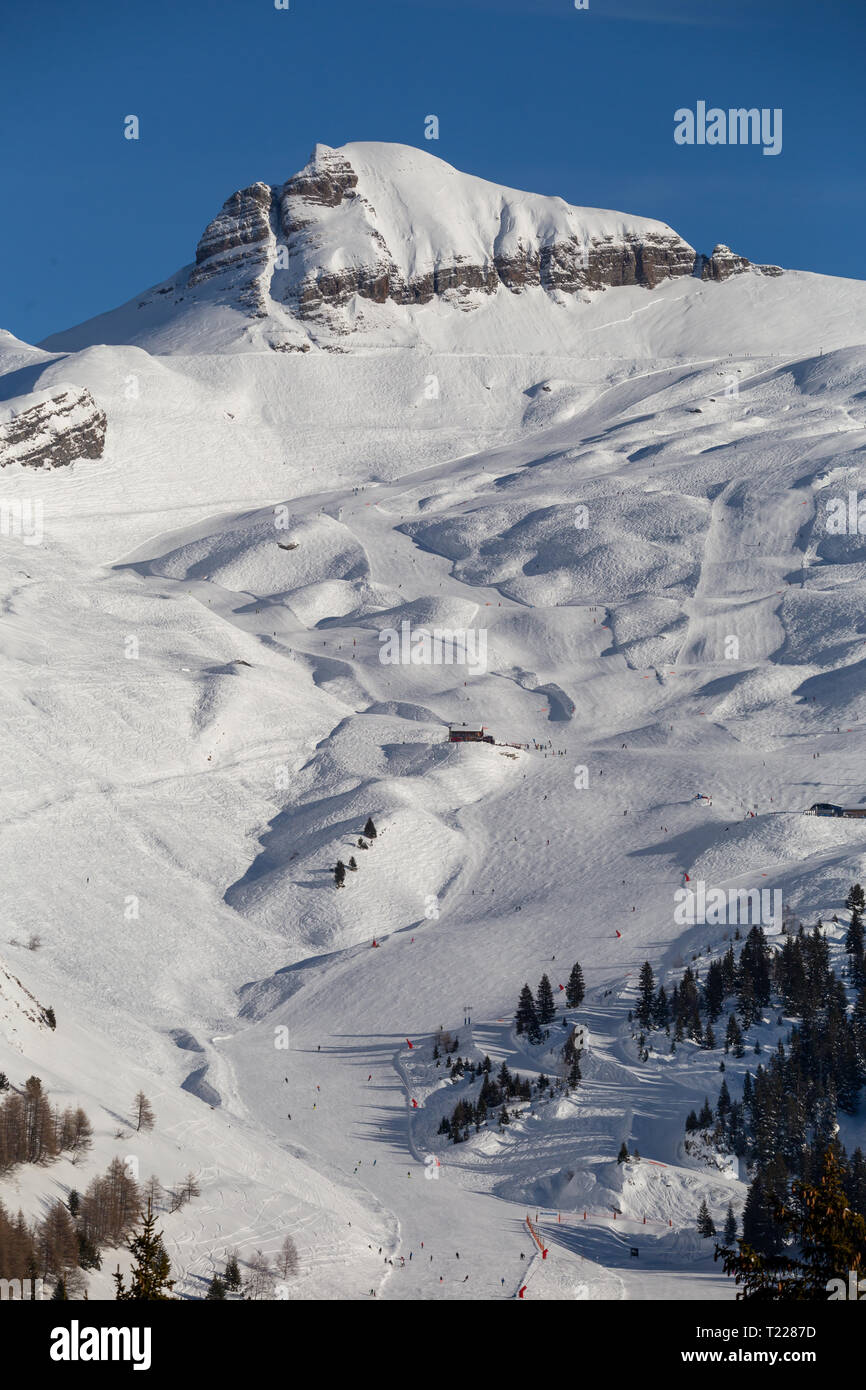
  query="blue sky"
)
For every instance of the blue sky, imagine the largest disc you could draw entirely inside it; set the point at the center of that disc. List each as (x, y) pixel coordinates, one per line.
(530, 93)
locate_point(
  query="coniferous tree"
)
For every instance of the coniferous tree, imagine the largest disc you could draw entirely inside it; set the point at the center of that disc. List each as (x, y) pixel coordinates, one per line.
(57, 1242)
(216, 1288)
(706, 1225)
(854, 937)
(754, 967)
(575, 989)
(544, 1005)
(260, 1280)
(714, 991)
(353, 863)
(233, 1273)
(723, 1106)
(623, 1155)
(88, 1252)
(287, 1260)
(370, 829)
(340, 873)
(646, 991)
(149, 1281)
(144, 1116)
(729, 1234)
(761, 1233)
(661, 1009)
(526, 1018)
(734, 1037)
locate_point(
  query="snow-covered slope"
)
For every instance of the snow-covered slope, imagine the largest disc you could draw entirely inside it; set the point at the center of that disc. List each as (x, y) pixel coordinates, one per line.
(197, 721)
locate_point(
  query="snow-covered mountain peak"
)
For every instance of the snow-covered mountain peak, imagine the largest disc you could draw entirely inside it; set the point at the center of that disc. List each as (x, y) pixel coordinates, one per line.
(371, 228)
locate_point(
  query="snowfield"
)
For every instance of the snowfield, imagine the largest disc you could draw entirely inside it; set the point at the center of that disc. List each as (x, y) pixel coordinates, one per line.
(626, 495)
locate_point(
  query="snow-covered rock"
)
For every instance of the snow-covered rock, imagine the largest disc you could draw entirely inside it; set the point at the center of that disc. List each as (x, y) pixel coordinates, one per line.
(50, 429)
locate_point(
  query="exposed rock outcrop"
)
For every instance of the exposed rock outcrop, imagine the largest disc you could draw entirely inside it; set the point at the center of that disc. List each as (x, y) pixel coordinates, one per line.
(239, 242)
(393, 223)
(724, 263)
(51, 429)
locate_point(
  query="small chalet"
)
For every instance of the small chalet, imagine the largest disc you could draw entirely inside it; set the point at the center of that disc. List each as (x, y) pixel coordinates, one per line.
(468, 733)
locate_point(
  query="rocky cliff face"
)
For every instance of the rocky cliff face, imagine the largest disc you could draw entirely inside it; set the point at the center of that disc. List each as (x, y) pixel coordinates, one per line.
(52, 429)
(393, 223)
(724, 263)
(239, 242)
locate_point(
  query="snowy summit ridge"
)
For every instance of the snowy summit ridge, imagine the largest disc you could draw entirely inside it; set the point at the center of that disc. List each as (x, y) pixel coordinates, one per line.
(393, 222)
(387, 223)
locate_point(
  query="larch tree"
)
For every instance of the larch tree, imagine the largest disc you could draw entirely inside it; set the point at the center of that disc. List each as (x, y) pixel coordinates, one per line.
(144, 1116)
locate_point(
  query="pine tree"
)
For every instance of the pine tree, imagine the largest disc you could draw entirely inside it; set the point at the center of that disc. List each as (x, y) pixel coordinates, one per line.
(59, 1293)
(73, 1202)
(623, 1155)
(574, 1075)
(714, 990)
(729, 1234)
(724, 1102)
(353, 863)
(854, 937)
(526, 1018)
(706, 1225)
(88, 1252)
(646, 990)
(340, 873)
(216, 1288)
(233, 1274)
(661, 1010)
(144, 1116)
(856, 898)
(149, 1281)
(761, 1233)
(544, 1005)
(370, 829)
(575, 989)
(734, 1037)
